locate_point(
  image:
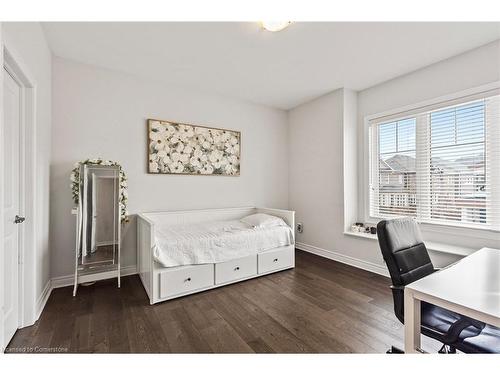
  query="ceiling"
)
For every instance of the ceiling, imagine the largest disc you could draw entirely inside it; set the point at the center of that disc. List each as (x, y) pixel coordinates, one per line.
(282, 69)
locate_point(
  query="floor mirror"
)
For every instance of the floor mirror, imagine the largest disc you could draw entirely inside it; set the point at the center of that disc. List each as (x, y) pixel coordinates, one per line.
(97, 253)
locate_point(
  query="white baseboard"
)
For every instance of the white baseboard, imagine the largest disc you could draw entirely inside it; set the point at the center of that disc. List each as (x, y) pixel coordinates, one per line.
(358, 263)
(62, 281)
(42, 299)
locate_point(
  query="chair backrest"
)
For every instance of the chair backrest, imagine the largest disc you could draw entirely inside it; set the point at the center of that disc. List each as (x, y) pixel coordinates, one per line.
(405, 254)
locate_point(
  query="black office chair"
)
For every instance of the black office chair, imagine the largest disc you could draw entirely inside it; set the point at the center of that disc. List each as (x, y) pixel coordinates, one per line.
(408, 260)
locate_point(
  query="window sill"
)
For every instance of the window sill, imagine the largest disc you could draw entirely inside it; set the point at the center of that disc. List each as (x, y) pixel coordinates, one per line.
(432, 246)
(362, 235)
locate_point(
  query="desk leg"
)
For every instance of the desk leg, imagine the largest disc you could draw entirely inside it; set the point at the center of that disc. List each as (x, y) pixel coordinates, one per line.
(412, 322)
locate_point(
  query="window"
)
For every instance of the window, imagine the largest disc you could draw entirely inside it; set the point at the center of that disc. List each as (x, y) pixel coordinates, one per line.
(440, 164)
(396, 169)
(457, 168)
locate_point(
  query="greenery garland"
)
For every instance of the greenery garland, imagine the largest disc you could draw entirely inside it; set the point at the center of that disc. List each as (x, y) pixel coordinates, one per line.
(75, 183)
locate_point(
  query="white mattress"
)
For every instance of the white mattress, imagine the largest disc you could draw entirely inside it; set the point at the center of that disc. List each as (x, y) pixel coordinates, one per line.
(214, 242)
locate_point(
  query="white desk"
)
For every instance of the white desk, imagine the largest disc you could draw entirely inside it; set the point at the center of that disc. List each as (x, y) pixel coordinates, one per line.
(470, 287)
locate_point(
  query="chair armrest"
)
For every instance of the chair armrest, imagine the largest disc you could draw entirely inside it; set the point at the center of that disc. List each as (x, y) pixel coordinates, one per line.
(453, 334)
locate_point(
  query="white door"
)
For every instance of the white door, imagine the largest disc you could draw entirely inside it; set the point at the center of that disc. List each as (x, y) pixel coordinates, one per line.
(10, 189)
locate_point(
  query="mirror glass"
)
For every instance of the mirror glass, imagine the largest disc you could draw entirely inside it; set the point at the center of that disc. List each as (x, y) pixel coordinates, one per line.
(98, 217)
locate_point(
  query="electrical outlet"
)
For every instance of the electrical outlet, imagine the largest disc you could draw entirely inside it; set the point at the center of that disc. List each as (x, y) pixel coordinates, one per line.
(300, 227)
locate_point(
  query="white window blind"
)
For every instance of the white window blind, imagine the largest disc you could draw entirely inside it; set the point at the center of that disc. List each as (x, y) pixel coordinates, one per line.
(439, 164)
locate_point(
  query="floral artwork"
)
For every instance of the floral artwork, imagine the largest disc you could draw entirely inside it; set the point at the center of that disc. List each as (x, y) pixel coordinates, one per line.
(176, 148)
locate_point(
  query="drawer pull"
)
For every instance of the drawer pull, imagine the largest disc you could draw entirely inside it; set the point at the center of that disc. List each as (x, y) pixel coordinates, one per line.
(275, 260)
(237, 269)
(188, 279)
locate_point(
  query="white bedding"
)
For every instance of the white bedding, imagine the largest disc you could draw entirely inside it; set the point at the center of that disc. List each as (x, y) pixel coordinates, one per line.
(214, 242)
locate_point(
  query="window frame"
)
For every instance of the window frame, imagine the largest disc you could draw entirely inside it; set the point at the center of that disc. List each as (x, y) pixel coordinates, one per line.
(407, 111)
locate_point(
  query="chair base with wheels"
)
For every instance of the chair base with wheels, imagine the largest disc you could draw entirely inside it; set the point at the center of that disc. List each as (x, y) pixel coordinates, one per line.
(445, 349)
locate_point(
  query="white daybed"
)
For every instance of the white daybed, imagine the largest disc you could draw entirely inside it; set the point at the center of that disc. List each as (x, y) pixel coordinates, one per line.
(163, 283)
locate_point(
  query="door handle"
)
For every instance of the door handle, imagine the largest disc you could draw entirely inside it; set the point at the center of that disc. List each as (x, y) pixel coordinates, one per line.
(19, 219)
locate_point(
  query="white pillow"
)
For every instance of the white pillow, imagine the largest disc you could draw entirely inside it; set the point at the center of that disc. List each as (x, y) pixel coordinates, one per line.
(263, 221)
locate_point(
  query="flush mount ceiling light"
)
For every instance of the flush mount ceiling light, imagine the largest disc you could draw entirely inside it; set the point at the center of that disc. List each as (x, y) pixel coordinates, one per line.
(275, 26)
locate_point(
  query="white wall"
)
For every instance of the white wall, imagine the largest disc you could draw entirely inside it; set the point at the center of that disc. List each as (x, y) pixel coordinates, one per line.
(315, 169)
(350, 157)
(102, 113)
(323, 152)
(318, 133)
(27, 42)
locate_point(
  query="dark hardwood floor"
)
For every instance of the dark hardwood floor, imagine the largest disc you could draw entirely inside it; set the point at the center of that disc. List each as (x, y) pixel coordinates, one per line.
(321, 306)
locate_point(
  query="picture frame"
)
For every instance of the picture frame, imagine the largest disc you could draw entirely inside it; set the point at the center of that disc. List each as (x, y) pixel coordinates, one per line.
(187, 149)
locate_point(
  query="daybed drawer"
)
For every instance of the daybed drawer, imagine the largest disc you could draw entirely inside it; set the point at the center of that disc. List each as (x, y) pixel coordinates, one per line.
(274, 260)
(235, 269)
(186, 279)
